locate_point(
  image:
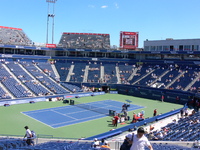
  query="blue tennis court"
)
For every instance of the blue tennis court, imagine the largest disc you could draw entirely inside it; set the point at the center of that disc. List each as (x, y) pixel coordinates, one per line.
(70, 114)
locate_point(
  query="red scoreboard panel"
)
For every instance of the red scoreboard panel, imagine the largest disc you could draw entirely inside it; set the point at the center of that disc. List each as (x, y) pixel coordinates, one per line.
(128, 40)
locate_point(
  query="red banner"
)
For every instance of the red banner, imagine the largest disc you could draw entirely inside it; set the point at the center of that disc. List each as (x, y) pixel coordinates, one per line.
(86, 33)
(10, 28)
(51, 45)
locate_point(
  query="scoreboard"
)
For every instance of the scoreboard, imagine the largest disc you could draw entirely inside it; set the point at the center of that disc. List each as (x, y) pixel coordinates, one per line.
(128, 40)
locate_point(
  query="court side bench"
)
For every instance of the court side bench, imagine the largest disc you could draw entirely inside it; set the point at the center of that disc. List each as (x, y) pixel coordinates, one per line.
(105, 135)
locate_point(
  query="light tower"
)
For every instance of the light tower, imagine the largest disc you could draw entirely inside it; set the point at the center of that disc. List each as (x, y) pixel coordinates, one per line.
(50, 14)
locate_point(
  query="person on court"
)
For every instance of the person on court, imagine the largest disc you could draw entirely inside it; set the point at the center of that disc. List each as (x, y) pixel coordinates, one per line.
(155, 112)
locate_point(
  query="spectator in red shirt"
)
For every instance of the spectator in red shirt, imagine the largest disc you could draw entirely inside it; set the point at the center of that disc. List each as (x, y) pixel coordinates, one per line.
(155, 112)
(162, 98)
(116, 118)
(134, 118)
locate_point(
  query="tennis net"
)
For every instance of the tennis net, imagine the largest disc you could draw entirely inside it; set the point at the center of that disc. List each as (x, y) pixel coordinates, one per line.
(90, 107)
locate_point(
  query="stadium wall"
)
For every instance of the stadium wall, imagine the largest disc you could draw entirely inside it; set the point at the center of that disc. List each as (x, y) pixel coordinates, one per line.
(47, 98)
(171, 96)
(21, 101)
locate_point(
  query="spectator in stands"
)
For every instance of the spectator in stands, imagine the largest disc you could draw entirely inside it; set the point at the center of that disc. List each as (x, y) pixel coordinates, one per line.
(181, 112)
(28, 135)
(126, 145)
(140, 140)
(105, 145)
(152, 136)
(159, 135)
(142, 113)
(95, 143)
(186, 112)
(103, 142)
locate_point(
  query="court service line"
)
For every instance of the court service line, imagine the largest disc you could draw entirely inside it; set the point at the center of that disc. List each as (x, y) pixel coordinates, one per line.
(79, 119)
(64, 114)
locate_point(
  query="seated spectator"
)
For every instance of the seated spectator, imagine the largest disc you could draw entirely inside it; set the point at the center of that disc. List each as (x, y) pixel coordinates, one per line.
(159, 136)
(95, 143)
(127, 142)
(105, 145)
(152, 136)
(151, 128)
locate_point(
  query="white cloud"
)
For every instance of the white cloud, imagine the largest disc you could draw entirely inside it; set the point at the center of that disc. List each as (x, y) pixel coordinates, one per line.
(105, 6)
(116, 5)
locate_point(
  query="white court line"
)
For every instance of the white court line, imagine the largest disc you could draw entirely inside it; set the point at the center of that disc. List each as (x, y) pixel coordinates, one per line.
(48, 109)
(35, 111)
(79, 122)
(64, 115)
(80, 119)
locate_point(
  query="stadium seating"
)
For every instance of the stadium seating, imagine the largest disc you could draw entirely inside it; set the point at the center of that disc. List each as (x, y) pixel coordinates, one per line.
(169, 147)
(91, 41)
(12, 85)
(44, 79)
(27, 80)
(11, 143)
(186, 129)
(78, 71)
(13, 36)
(18, 144)
(46, 67)
(109, 72)
(125, 70)
(63, 70)
(38, 77)
(94, 72)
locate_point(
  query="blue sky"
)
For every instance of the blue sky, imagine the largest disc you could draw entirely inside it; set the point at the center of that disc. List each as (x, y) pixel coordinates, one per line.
(153, 19)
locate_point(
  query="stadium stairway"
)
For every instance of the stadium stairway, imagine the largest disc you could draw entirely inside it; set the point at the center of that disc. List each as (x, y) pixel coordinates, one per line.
(55, 71)
(86, 74)
(101, 72)
(143, 77)
(192, 83)
(175, 80)
(70, 73)
(52, 79)
(33, 77)
(133, 74)
(118, 75)
(164, 73)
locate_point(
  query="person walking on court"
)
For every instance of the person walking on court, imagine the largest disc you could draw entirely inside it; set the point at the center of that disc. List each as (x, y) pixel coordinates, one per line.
(28, 135)
(124, 108)
(155, 112)
(140, 141)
